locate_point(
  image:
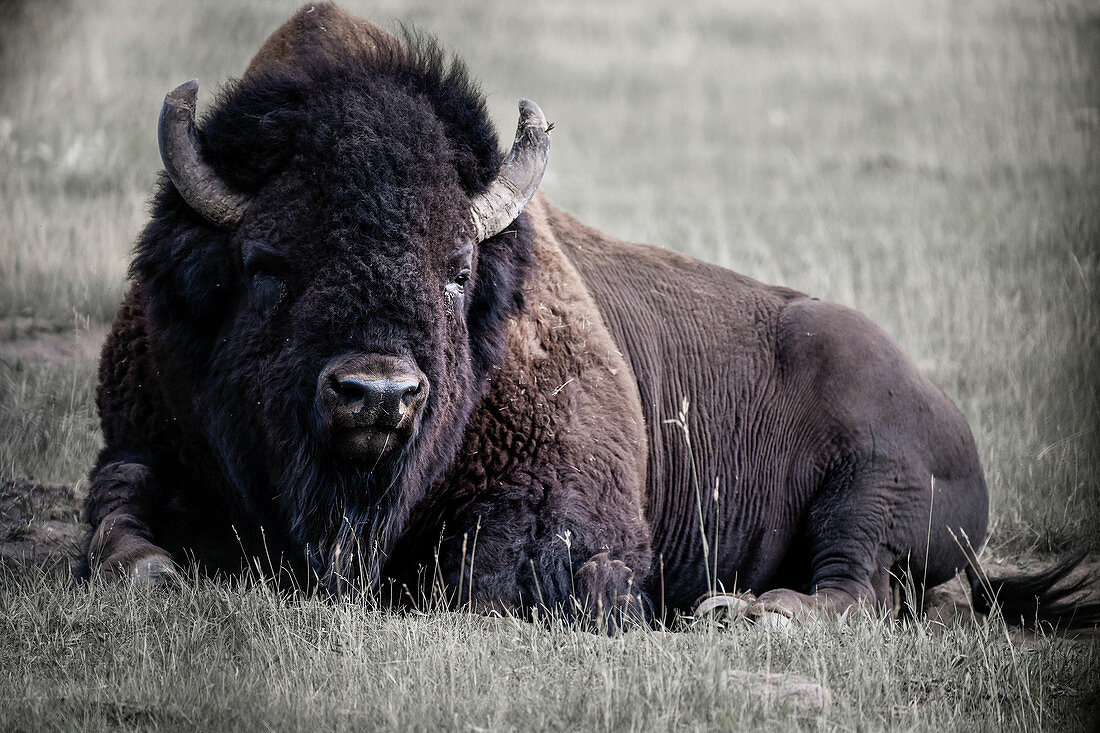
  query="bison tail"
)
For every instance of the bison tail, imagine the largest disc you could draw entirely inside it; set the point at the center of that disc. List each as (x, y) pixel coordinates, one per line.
(1042, 598)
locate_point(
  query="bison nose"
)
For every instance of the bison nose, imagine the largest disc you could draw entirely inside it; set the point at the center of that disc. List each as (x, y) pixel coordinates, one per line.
(366, 399)
(387, 400)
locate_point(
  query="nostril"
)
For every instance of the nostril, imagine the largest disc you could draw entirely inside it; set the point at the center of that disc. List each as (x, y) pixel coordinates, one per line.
(352, 388)
(408, 389)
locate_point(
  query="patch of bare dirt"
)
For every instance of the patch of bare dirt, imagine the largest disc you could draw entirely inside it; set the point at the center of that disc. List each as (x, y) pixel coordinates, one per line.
(39, 524)
(782, 689)
(42, 342)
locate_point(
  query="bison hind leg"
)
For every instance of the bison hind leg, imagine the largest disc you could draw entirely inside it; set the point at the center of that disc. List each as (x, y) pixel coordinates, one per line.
(876, 548)
(857, 551)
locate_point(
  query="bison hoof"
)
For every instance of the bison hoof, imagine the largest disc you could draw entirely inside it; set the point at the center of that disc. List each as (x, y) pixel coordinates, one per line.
(606, 596)
(773, 620)
(780, 608)
(723, 607)
(152, 570)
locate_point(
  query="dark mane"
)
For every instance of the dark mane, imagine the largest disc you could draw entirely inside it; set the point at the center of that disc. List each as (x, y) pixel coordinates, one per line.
(261, 120)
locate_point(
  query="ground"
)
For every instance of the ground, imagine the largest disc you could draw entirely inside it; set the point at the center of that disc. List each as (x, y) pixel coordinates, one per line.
(935, 165)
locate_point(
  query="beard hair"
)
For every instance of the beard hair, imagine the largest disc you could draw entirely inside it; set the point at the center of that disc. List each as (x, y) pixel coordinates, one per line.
(346, 519)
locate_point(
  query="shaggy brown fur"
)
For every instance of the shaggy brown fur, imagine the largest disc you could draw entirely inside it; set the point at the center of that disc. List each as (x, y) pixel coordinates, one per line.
(565, 373)
(326, 30)
(552, 470)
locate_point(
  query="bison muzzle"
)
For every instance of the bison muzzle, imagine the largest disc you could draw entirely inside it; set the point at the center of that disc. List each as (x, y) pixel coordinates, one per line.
(369, 404)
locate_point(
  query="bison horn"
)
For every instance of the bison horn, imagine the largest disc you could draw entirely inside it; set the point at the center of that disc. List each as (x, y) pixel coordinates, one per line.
(519, 177)
(193, 177)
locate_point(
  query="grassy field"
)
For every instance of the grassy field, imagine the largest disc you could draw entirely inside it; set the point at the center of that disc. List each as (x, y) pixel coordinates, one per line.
(933, 164)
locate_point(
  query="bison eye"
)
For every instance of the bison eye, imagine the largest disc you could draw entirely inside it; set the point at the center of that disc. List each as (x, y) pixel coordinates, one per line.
(456, 288)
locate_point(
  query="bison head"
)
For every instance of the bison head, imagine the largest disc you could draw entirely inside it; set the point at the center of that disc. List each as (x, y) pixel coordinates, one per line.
(327, 282)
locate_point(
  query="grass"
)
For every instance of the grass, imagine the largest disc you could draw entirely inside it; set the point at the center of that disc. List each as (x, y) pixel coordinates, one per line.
(49, 419)
(935, 165)
(216, 655)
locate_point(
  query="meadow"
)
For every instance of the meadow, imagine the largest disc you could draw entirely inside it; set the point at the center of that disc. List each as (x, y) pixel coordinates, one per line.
(933, 164)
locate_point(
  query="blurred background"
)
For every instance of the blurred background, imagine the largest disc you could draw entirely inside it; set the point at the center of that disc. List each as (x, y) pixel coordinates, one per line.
(934, 164)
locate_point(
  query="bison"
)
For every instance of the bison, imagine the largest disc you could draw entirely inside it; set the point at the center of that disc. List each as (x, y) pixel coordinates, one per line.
(360, 349)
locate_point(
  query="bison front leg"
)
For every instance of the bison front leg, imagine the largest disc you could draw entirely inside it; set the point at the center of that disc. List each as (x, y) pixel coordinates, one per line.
(119, 509)
(606, 595)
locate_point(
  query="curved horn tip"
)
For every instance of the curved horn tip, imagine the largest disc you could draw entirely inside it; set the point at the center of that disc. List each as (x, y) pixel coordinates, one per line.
(519, 177)
(185, 94)
(530, 114)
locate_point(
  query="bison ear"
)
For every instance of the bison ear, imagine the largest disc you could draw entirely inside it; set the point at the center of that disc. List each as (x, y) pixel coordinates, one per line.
(503, 267)
(183, 266)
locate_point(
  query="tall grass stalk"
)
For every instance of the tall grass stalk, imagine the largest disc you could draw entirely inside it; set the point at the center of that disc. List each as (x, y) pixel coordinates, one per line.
(681, 421)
